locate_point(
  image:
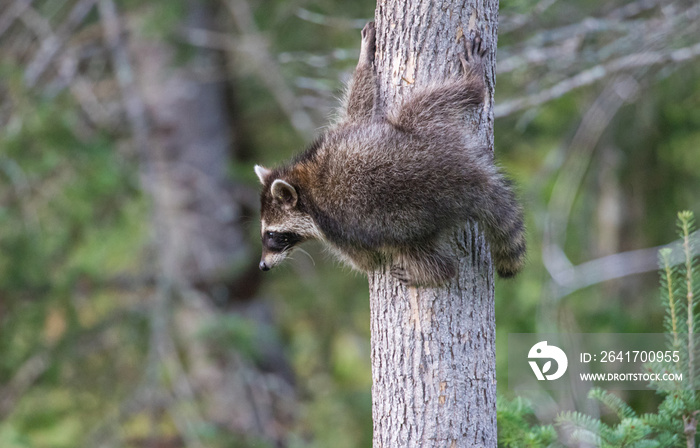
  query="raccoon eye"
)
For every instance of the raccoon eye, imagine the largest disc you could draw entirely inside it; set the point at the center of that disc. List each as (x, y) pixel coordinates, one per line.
(280, 241)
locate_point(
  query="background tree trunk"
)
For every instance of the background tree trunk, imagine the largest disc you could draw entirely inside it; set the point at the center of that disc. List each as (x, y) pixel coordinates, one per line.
(202, 250)
(433, 350)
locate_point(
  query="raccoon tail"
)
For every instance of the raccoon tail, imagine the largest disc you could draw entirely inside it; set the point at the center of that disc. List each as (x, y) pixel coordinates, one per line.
(505, 230)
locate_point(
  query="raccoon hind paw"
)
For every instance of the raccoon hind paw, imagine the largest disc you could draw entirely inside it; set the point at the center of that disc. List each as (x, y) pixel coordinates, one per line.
(368, 47)
(472, 54)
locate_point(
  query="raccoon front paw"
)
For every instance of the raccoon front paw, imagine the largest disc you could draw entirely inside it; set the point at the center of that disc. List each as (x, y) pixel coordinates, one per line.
(368, 47)
(431, 275)
(473, 53)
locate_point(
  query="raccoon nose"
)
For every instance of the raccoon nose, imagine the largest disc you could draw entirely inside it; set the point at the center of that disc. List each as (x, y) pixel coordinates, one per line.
(263, 266)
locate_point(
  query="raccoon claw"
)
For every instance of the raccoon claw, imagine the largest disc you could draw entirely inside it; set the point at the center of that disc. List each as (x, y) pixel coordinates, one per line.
(368, 43)
(400, 274)
(368, 31)
(477, 49)
(474, 52)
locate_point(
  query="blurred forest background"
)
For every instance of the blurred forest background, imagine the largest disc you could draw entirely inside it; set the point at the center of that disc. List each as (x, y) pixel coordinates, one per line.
(132, 312)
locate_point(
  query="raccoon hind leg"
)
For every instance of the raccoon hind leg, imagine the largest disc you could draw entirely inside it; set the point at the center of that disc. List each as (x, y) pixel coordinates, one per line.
(442, 106)
(361, 94)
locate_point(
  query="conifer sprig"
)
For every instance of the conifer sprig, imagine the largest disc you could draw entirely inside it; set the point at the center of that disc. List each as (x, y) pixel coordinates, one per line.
(686, 225)
(668, 296)
(675, 422)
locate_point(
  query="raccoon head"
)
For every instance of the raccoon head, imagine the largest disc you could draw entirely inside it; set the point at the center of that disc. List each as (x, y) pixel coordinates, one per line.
(282, 224)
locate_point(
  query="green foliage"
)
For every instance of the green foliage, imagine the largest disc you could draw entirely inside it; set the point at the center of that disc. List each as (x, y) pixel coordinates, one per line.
(74, 223)
(71, 220)
(632, 431)
(615, 403)
(516, 429)
(676, 418)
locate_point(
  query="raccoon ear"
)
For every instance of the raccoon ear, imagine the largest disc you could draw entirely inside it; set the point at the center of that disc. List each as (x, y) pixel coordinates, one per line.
(262, 173)
(284, 192)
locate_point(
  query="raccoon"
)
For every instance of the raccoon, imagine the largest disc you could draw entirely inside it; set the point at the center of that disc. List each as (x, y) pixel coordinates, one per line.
(388, 187)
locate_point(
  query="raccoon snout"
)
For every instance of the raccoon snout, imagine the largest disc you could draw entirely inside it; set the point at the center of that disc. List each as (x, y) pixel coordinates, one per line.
(264, 266)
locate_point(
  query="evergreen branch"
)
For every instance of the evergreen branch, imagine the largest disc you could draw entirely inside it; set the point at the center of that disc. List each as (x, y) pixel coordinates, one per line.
(675, 422)
(581, 423)
(686, 224)
(661, 423)
(665, 264)
(615, 403)
(586, 438)
(685, 219)
(648, 444)
(630, 432)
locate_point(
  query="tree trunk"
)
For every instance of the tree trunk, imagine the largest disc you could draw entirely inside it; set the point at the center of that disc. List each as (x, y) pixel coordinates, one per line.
(433, 350)
(201, 245)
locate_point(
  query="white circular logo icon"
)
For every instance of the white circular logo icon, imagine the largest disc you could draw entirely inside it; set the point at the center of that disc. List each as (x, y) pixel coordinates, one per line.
(543, 351)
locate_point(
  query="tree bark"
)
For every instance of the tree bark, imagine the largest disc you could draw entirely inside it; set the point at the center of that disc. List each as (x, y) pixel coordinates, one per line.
(433, 349)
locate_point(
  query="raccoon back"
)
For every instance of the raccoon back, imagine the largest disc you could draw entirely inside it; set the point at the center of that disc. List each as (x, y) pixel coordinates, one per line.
(374, 185)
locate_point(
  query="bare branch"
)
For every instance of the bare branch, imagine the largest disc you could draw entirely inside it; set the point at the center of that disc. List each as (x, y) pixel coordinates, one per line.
(133, 103)
(12, 13)
(534, 55)
(594, 74)
(614, 266)
(255, 47)
(208, 39)
(580, 152)
(52, 45)
(633, 9)
(516, 21)
(335, 22)
(24, 378)
(81, 88)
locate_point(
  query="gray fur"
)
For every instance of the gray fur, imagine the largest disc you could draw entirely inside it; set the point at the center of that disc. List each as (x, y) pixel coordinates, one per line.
(390, 186)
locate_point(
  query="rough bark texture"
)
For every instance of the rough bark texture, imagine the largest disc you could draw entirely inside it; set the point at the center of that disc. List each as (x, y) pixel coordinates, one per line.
(433, 350)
